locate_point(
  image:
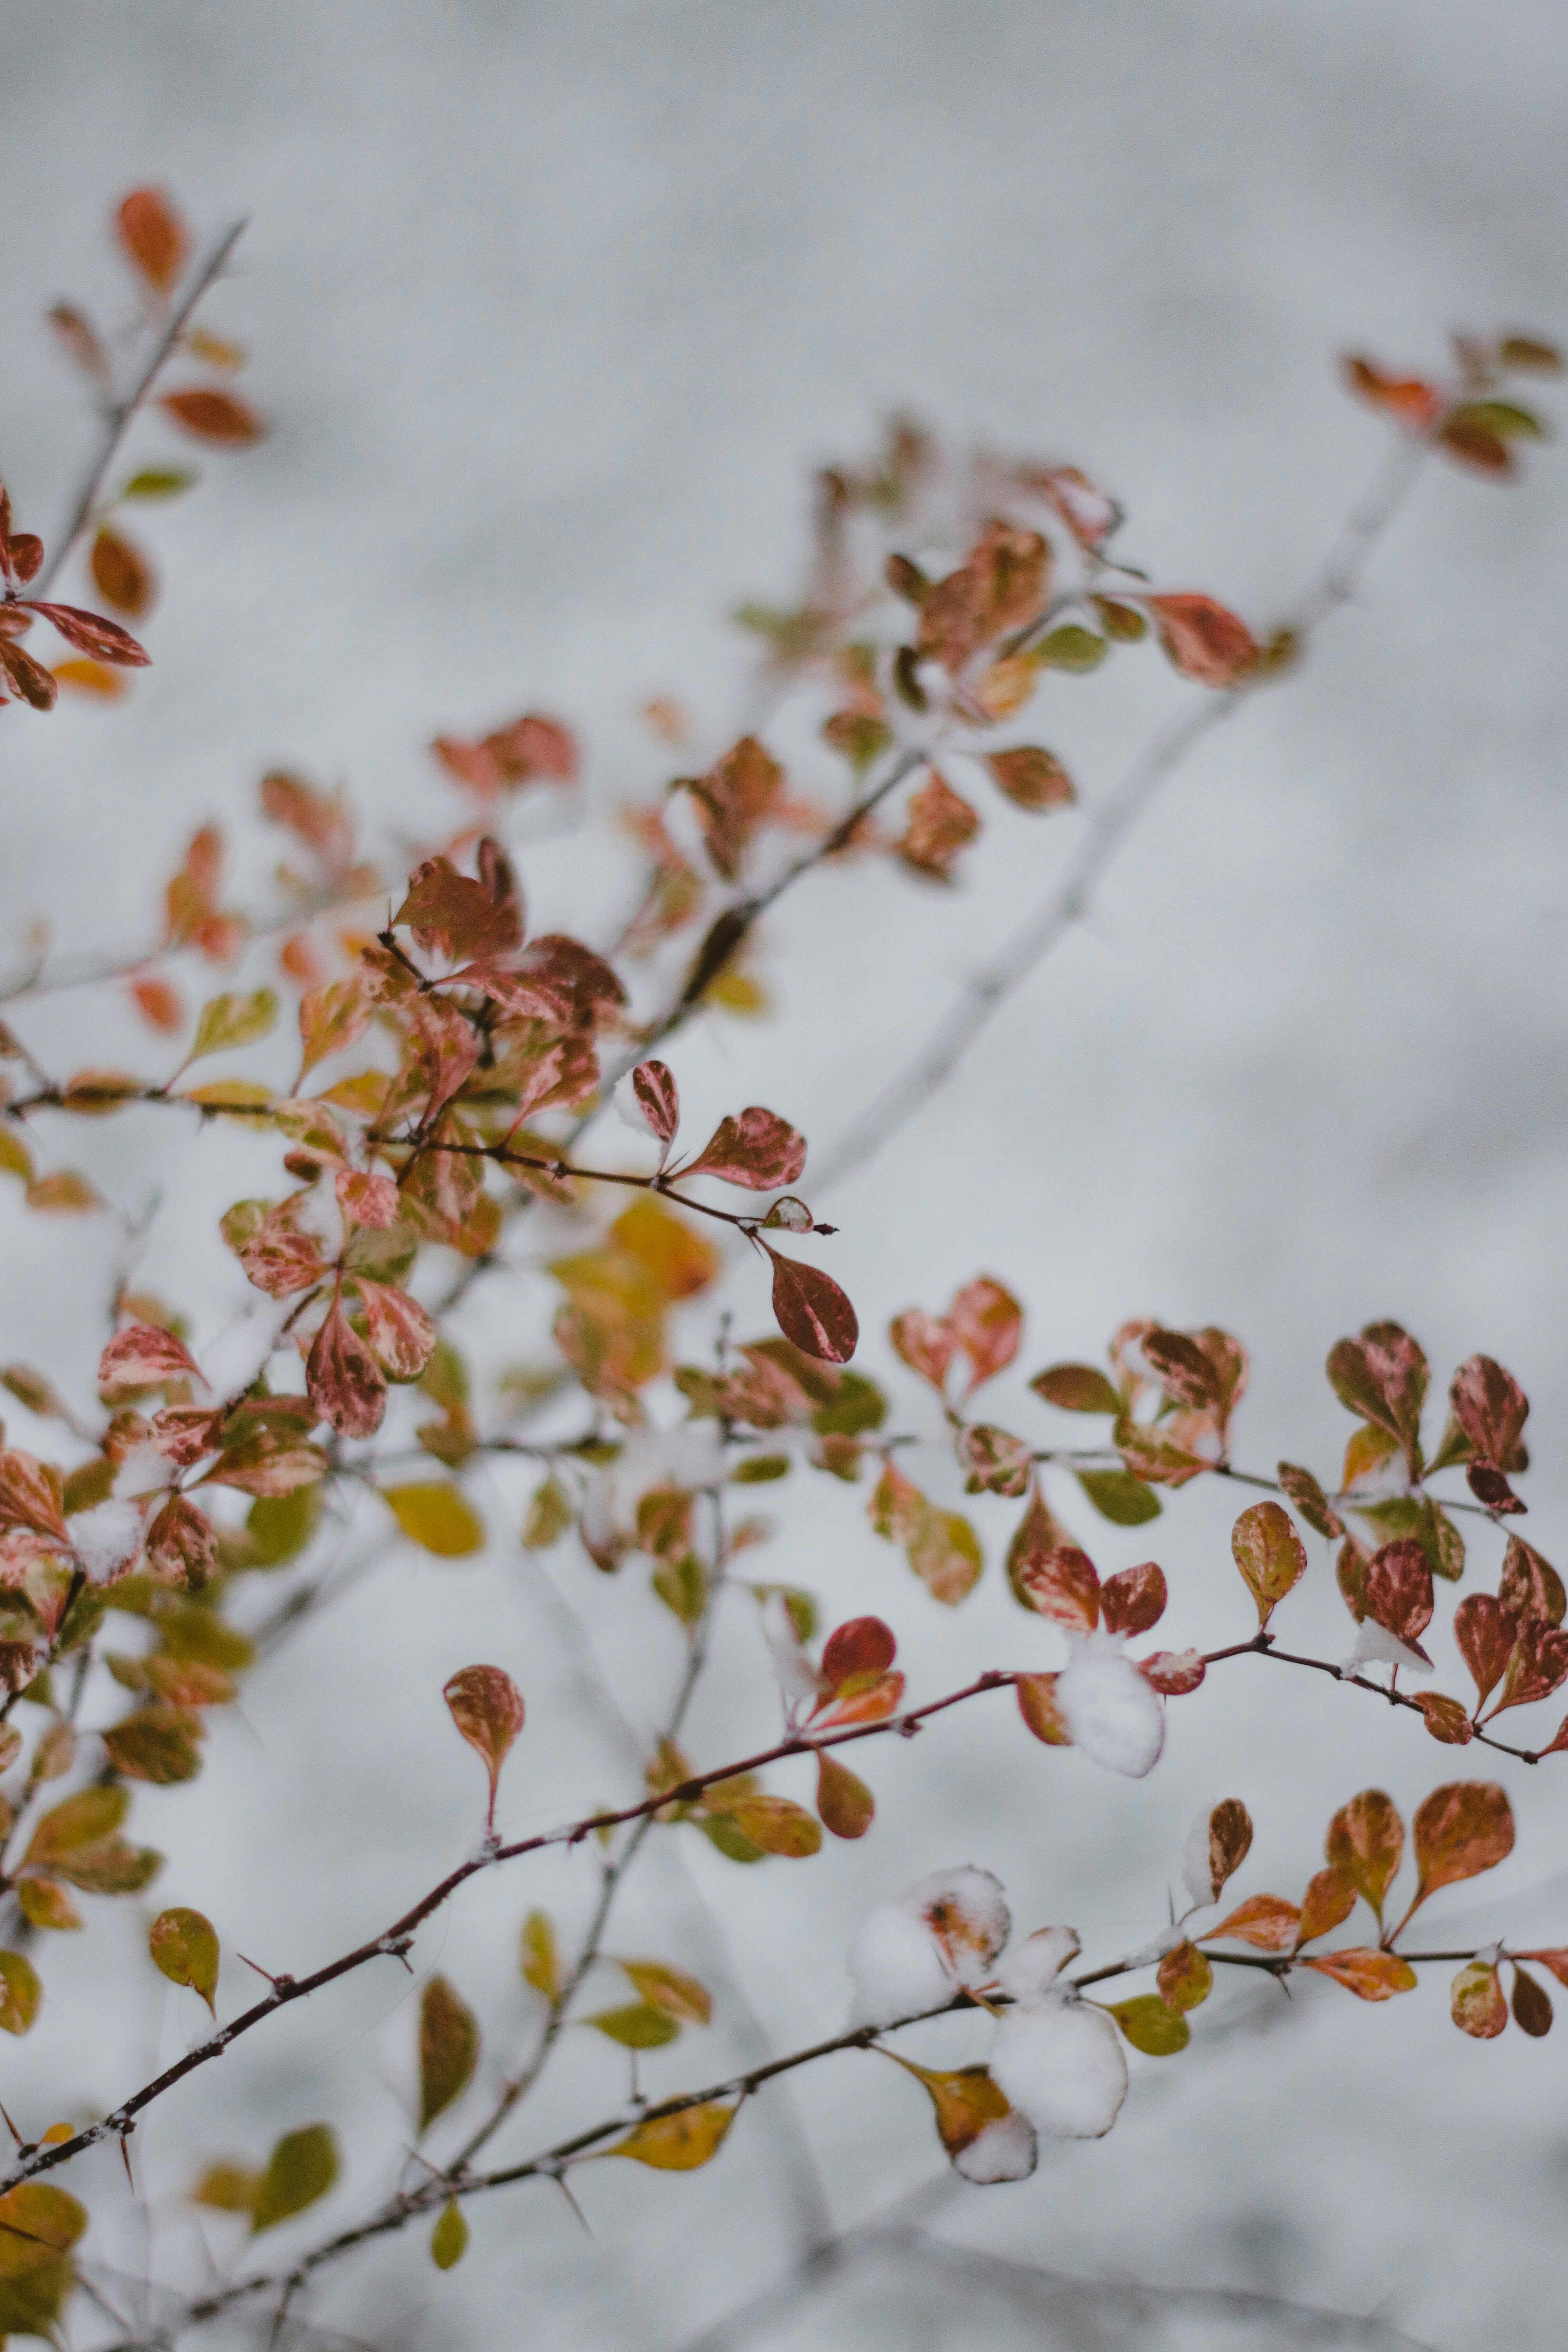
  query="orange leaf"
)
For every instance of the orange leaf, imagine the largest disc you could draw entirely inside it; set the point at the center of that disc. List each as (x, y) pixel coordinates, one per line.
(154, 237)
(1370, 1975)
(215, 416)
(1265, 1920)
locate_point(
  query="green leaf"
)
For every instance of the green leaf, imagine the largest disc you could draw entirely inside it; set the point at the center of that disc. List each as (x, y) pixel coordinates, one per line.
(280, 1526)
(185, 1946)
(301, 2167)
(159, 482)
(1150, 2026)
(680, 1996)
(637, 2026)
(436, 1516)
(732, 1843)
(549, 1515)
(775, 1825)
(92, 1815)
(236, 1019)
(448, 2049)
(1503, 417)
(1075, 1387)
(20, 1992)
(1120, 1497)
(759, 1469)
(859, 1406)
(1072, 649)
(449, 2238)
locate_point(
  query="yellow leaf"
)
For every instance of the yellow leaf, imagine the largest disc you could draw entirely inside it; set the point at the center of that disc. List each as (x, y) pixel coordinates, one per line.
(301, 2167)
(185, 1946)
(680, 2142)
(449, 2238)
(436, 1516)
(541, 1955)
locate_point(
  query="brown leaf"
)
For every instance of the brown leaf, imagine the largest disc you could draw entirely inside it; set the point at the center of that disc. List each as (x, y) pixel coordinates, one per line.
(1397, 1590)
(1038, 1706)
(1002, 587)
(843, 1802)
(734, 799)
(153, 236)
(1486, 1632)
(37, 686)
(1330, 1899)
(401, 1335)
(1134, 1601)
(927, 1343)
(1477, 446)
(31, 1495)
(1271, 1555)
(1370, 1975)
(1532, 2004)
(1445, 1719)
(812, 1310)
(215, 416)
(1202, 639)
(658, 1097)
(755, 1148)
(448, 2049)
(1529, 1586)
(1032, 778)
(1461, 1830)
(121, 574)
(939, 824)
(182, 1544)
(486, 1707)
(1366, 1838)
(346, 1383)
(1310, 1499)
(1266, 1921)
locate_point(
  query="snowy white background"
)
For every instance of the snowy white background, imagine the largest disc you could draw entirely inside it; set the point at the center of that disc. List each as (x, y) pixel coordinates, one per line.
(554, 306)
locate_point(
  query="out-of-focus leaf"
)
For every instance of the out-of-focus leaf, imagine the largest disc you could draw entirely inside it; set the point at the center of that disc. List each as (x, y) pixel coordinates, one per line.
(448, 2049)
(436, 1516)
(301, 2167)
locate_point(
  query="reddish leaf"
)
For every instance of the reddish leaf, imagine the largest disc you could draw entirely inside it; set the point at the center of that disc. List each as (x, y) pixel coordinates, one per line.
(401, 1335)
(1460, 1831)
(1486, 1632)
(737, 795)
(1032, 779)
(1382, 1377)
(91, 633)
(1134, 1601)
(1203, 640)
(1310, 1499)
(1001, 586)
(182, 1544)
(987, 1322)
(143, 1355)
(1174, 1673)
(812, 1310)
(1366, 1838)
(486, 1707)
(843, 1802)
(1556, 1960)
(1185, 1978)
(333, 1017)
(926, 1342)
(1529, 1586)
(862, 1646)
(1186, 1375)
(1476, 2001)
(1271, 1555)
(1409, 401)
(530, 747)
(344, 1381)
(452, 915)
(1154, 1459)
(154, 237)
(997, 1461)
(215, 416)
(1538, 1666)
(940, 823)
(1266, 1921)
(653, 1083)
(1064, 1586)
(1370, 1975)
(1038, 1706)
(757, 1149)
(1039, 1534)
(367, 1200)
(1397, 1590)
(37, 686)
(30, 1494)
(1491, 1409)
(160, 1004)
(1490, 1486)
